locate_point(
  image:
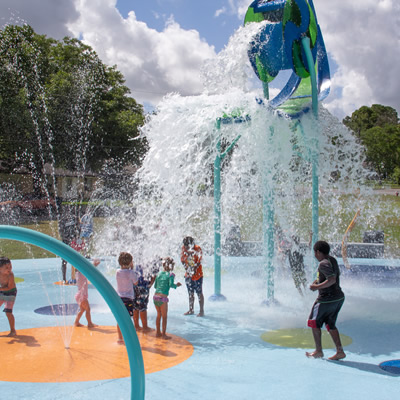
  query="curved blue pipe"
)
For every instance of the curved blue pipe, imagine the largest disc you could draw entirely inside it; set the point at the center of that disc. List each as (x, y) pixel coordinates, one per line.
(102, 285)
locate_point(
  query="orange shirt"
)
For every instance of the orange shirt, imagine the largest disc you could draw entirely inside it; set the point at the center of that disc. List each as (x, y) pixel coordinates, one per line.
(191, 260)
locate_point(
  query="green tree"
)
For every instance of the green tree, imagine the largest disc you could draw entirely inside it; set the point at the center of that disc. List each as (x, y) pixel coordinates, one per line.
(367, 117)
(378, 129)
(60, 104)
(383, 148)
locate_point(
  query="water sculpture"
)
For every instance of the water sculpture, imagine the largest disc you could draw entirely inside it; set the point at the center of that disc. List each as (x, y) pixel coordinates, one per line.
(248, 155)
(290, 39)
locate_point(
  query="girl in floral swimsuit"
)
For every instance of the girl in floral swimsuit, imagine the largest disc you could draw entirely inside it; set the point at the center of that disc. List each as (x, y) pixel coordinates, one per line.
(163, 283)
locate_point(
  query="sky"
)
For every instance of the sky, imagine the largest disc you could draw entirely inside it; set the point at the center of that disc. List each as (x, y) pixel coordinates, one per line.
(160, 46)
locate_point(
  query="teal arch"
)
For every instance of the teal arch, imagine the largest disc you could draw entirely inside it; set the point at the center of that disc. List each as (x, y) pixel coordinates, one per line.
(102, 285)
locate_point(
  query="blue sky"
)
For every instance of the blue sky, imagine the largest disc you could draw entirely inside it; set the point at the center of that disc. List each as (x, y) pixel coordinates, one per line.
(161, 46)
(190, 14)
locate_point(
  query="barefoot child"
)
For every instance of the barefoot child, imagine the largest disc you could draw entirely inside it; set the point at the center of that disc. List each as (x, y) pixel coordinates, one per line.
(329, 301)
(141, 301)
(126, 279)
(82, 296)
(8, 292)
(191, 256)
(164, 281)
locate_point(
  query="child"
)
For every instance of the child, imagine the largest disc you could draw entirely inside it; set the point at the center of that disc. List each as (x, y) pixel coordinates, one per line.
(78, 245)
(191, 256)
(8, 292)
(126, 279)
(164, 281)
(82, 296)
(141, 300)
(329, 301)
(296, 262)
(86, 225)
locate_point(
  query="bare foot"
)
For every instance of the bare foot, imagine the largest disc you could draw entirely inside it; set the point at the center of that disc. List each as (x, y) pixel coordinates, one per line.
(92, 325)
(158, 334)
(12, 334)
(138, 328)
(190, 312)
(315, 354)
(120, 341)
(78, 324)
(200, 314)
(338, 356)
(165, 337)
(146, 330)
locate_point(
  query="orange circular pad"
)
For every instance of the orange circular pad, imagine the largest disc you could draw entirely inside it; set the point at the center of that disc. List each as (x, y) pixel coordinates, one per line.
(39, 355)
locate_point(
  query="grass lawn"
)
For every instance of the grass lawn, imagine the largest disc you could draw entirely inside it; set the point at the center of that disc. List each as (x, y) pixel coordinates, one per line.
(250, 229)
(15, 250)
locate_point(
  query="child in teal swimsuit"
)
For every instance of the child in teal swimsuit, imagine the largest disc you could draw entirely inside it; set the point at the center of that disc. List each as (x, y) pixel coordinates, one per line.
(163, 283)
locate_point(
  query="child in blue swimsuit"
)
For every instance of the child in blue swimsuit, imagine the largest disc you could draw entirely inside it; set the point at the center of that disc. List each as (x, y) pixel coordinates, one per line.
(163, 283)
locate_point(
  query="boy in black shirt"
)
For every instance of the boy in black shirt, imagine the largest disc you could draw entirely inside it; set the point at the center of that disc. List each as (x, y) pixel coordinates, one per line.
(329, 301)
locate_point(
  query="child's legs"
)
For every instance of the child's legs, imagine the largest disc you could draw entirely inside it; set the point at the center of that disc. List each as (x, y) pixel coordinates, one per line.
(144, 301)
(336, 339)
(119, 333)
(88, 313)
(143, 318)
(11, 321)
(80, 313)
(317, 339)
(158, 320)
(164, 313)
(64, 270)
(84, 307)
(191, 301)
(190, 289)
(8, 309)
(198, 286)
(136, 318)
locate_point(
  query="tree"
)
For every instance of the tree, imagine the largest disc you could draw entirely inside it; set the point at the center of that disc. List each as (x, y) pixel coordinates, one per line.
(383, 148)
(378, 129)
(60, 104)
(367, 117)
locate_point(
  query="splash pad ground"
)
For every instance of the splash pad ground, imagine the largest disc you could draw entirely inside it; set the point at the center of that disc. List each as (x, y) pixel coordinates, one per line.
(231, 358)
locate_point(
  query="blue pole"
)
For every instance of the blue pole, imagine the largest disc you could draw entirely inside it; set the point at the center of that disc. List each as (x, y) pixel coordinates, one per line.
(268, 231)
(102, 285)
(268, 239)
(217, 220)
(315, 151)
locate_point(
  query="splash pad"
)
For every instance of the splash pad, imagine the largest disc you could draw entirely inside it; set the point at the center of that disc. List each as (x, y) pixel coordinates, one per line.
(268, 172)
(229, 357)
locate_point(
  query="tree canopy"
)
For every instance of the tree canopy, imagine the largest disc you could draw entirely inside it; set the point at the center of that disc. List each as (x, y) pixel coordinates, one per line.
(60, 104)
(378, 129)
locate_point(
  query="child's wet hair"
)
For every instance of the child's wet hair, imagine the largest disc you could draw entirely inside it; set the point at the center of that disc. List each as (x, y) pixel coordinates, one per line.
(168, 262)
(4, 261)
(322, 246)
(125, 259)
(188, 241)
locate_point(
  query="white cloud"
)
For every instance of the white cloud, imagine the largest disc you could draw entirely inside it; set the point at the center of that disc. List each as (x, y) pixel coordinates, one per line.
(242, 7)
(47, 17)
(220, 12)
(363, 38)
(153, 63)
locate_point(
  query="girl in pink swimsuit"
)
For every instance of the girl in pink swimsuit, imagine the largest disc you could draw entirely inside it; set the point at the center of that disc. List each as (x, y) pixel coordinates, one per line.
(82, 296)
